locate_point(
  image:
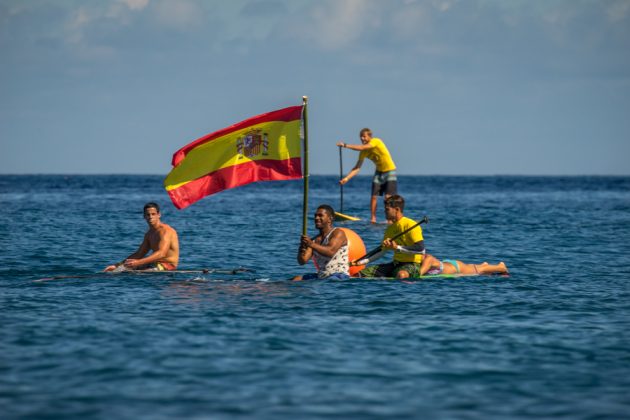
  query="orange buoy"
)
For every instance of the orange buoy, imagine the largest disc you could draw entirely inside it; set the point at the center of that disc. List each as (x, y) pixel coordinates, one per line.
(356, 249)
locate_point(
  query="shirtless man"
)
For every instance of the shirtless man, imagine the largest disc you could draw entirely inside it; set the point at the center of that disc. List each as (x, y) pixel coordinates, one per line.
(329, 249)
(431, 265)
(160, 238)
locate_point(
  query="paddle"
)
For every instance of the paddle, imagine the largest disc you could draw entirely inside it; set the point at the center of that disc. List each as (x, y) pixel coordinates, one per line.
(340, 178)
(339, 214)
(379, 248)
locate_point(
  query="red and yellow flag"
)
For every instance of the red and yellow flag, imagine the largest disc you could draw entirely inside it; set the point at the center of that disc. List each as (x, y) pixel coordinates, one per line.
(266, 147)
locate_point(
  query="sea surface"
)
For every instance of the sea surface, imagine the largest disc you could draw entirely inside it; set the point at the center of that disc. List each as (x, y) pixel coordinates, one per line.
(552, 340)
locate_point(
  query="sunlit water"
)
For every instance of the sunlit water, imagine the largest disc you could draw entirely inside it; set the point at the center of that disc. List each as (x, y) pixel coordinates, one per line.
(551, 340)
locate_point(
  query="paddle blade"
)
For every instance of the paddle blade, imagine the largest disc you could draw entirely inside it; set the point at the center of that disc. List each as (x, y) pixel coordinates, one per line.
(344, 217)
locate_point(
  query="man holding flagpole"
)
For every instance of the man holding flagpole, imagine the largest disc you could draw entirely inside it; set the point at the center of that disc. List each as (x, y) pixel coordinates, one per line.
(384, 181)
(329, 249)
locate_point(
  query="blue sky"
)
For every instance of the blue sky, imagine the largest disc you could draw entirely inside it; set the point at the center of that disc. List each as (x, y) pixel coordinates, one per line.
(469, 87)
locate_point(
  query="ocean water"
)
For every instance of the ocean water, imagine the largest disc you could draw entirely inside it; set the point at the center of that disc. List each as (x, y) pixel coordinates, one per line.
(552, 340)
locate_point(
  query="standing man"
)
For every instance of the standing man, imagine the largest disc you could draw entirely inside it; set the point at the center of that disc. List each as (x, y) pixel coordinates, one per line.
(384, 181)
(160, 238)
(408, 249)
(329, 249)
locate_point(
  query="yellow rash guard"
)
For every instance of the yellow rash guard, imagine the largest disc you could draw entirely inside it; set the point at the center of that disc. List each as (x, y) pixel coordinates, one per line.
(408, 239)
(379, 155)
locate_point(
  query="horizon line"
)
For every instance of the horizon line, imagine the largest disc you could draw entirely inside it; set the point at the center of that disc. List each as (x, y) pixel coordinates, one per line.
(358, 176)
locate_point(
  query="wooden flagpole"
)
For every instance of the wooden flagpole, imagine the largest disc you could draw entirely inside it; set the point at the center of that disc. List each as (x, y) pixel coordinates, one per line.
(305, 200)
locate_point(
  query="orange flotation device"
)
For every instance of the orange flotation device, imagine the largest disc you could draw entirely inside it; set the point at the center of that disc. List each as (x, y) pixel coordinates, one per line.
(356, 249)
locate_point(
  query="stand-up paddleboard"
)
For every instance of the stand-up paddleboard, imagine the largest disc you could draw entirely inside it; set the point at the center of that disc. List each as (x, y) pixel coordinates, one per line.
(425, 277)
(147, 272)
(339, 215)
(432, 276)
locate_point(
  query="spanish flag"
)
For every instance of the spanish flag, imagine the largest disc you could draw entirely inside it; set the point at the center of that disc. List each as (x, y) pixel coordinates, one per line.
(266, 147)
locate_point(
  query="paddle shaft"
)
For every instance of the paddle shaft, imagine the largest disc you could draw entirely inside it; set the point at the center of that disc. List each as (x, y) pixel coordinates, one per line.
(340, 178)
(379, 248)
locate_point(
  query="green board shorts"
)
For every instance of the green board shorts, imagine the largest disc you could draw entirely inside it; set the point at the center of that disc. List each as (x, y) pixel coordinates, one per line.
(391, 269)
(385, 183)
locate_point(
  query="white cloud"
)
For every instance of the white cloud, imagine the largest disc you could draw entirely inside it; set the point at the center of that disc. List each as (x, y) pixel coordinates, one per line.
(559, 15)
(443, 5)
(179, 14)
(407, 21)
(84, 17)
(618, 10)
(136, 4)
(75, 26)
(123, 10)
(343, 24)
(338, 23)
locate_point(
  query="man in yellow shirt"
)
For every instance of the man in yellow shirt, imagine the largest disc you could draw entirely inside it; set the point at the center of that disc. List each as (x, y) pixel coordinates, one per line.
(408, 249)
(384, 181)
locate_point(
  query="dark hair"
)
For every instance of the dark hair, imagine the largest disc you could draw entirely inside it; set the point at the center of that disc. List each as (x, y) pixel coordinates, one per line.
(365, 130)
(395, 201)
(151, 205)
(327, 209)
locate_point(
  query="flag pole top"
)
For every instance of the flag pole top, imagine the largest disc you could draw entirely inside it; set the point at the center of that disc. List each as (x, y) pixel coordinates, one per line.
(304, 99)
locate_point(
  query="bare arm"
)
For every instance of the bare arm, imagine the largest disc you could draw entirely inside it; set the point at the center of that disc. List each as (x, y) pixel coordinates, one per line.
(142, 250)
(305, 252)
(337, 240)
(357, 167)
(165, 238)
(357, 147)
(352, 173)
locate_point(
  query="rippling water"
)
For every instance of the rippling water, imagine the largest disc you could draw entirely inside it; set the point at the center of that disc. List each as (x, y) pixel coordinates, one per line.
(551, 340)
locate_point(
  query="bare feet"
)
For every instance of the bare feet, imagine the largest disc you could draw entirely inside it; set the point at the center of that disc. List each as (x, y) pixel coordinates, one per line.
(503, 266)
